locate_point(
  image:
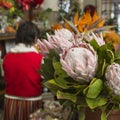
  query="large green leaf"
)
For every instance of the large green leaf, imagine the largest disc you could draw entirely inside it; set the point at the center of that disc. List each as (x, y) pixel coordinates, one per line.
(95, 88)
(96, 102)
(47, 69)
(59, 72)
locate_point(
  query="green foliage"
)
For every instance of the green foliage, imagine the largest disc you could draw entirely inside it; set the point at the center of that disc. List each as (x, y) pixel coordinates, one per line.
(117, 56)
(44, 14)
(94, 88)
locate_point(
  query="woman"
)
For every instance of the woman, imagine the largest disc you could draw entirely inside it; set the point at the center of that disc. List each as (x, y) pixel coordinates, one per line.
(21, 73)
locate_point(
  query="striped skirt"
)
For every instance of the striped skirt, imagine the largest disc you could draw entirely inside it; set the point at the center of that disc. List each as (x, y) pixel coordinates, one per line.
(17, 108)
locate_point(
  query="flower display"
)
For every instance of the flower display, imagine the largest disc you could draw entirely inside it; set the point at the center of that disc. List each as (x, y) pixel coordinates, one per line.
(81, 69)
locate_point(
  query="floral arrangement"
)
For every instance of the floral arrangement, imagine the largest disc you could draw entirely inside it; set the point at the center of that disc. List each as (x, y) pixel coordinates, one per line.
(80, 68)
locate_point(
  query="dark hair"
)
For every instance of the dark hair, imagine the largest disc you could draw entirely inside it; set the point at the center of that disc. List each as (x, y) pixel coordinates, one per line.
(90, 8)
(27, 33)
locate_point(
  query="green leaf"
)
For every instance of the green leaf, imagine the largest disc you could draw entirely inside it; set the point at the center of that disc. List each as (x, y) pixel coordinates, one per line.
(116, 99)
(51, 85)
(110, 55)
(96, 102)
(82, 114)
(94, 44)
(103, 115)
(105, 57)
(47, 69)
(110, 46)
(103, 67)
(117, 56)
(72, 26)
(59, 72)
(61, 82)
(95, 88)
(68, 96)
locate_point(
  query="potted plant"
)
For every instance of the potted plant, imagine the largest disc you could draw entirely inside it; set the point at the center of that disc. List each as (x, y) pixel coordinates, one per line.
(81, 69)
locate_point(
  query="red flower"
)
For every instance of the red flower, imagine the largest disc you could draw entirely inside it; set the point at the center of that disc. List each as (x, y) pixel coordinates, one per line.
(5, 4)
(26, 4)
(37, 2)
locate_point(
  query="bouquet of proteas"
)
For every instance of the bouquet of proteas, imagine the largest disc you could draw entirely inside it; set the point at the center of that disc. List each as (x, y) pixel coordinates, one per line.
(81, 70)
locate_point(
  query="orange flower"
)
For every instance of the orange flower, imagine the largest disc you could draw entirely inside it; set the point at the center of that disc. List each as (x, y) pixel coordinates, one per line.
(67, 26)
(56, 26)
(114, 37)
(82, 23)
(85, 19)
(5, 4)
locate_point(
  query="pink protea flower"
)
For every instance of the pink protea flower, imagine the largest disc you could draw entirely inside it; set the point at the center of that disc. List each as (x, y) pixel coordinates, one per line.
(62, 39)
(98, 37)
(44, 46)
(80, 62)
(112, 75)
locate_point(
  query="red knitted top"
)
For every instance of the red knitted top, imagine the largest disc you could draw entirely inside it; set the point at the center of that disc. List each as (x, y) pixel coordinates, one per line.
(21, 74)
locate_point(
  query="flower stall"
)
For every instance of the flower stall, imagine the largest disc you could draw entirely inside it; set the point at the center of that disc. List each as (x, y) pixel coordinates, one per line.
(81, 69)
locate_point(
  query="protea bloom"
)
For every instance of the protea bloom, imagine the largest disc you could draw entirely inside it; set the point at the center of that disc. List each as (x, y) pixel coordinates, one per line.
(113, 77)
(62, 39)
(80, 62)
(44, 46)
(97, 37)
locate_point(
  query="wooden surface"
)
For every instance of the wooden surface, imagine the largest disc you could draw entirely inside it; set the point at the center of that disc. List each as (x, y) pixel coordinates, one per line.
(90, 115)
(7, 36)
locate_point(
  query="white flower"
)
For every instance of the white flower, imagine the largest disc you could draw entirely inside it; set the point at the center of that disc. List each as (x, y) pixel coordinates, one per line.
(62, 39)
(98, 37)
(80, 62)
(44, 46)
(112, 75)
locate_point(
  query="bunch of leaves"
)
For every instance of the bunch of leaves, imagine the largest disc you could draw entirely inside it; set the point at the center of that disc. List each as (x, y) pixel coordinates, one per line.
(80, 95)
(44, 14)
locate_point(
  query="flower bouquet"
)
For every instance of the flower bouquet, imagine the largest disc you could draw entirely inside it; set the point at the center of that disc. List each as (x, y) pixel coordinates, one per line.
(80, 69)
